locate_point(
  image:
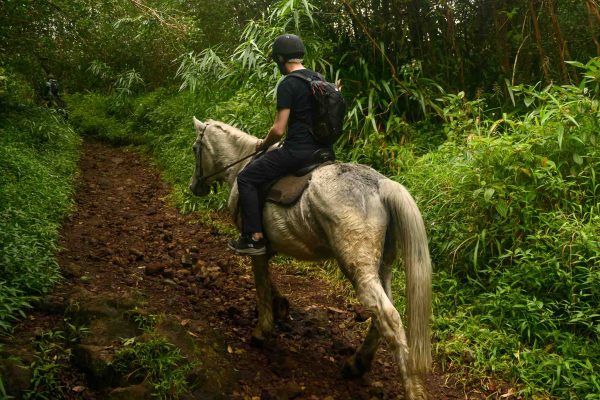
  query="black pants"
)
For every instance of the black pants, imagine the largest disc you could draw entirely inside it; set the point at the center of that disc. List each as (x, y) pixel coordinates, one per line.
(270, 166)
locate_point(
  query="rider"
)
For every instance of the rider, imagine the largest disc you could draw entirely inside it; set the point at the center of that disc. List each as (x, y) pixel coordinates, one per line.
(294, 111)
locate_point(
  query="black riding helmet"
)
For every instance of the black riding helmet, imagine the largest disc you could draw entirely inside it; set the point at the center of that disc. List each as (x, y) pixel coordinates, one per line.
(287, 47)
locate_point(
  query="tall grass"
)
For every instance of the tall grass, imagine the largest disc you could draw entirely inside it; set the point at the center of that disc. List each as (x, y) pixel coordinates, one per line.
(38, 162)
(512, 209)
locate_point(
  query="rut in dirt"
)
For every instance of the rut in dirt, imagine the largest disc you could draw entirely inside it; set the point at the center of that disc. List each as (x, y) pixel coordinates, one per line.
(127, 244)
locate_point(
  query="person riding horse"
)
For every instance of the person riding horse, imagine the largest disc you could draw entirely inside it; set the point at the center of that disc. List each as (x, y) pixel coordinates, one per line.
(295, 106)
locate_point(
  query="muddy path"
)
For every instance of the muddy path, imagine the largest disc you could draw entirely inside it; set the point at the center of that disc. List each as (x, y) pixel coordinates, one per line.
(125, 242)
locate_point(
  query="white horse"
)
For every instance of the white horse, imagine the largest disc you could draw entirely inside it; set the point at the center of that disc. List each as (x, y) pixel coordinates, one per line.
(351, 213)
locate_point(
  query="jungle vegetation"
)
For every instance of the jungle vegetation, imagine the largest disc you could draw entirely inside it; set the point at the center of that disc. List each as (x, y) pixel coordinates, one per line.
(488, 111)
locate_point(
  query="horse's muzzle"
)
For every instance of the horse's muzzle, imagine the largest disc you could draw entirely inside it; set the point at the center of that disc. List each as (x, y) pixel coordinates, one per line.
(199, 187)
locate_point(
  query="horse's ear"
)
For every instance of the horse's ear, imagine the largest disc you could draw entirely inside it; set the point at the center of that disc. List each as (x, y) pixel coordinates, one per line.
(198, 124)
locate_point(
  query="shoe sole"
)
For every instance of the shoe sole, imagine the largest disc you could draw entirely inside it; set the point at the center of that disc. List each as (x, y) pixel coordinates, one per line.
(249, 251)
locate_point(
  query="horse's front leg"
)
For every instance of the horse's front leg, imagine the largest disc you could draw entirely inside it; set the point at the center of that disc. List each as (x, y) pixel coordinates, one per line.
(265, 294)
(281, 305)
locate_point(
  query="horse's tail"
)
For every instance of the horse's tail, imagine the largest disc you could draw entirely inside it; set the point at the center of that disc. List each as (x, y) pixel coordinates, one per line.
(409, 235)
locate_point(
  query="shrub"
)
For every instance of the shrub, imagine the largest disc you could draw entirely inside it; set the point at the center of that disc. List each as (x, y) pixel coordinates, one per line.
(38, 161)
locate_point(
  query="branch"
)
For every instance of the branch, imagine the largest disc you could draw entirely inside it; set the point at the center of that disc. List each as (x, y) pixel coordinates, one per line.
(153, 12)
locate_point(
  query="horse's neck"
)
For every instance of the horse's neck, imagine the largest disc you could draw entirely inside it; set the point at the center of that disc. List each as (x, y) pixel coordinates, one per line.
(236, 146)
(234, 171)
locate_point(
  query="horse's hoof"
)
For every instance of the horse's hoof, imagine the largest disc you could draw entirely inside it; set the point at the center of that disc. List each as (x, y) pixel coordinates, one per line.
(281, 308)
(352, 368)
(256, 341)
(258, 338)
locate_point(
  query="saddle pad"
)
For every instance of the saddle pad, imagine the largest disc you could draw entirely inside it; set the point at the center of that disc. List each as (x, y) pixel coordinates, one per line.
(287, 190)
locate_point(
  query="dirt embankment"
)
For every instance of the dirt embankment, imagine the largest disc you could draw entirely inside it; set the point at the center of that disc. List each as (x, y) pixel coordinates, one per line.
(127, 252)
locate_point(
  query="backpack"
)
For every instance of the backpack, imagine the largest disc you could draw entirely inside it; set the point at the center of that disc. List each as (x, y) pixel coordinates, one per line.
(53, 86)
(330, 109)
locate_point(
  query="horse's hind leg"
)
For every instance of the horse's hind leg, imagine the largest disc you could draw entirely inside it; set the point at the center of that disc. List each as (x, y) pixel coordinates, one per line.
(373, 296)
(361, 361)
(264, 297)
(281, 305)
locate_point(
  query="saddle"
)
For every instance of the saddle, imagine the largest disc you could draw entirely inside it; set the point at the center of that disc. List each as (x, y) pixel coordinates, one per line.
(288, 189)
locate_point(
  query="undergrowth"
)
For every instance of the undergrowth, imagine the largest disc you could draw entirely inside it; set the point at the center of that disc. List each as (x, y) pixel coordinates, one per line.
(156, 361)
(38, 163)
(512, 214)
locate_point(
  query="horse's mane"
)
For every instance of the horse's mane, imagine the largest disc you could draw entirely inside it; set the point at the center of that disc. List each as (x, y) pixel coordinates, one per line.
(240, 141)
(232, 130)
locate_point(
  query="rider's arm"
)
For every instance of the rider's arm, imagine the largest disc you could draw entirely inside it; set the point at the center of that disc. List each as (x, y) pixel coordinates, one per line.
(277, 130)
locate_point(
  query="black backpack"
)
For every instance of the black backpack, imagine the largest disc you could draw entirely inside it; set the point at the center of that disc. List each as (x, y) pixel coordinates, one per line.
(330, 109)
(53, 87)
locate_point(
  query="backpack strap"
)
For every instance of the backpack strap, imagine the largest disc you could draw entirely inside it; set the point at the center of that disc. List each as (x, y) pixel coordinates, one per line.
(298, 74)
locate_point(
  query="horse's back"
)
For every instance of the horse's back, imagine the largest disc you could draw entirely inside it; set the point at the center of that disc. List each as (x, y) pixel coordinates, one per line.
(342, 199)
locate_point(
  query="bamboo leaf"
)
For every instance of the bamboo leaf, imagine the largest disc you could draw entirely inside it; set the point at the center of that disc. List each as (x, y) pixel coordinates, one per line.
(547, 116)
(510, 91)
(561, 134)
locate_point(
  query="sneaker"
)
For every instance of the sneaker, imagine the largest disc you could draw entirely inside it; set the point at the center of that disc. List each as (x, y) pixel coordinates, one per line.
(248, 246)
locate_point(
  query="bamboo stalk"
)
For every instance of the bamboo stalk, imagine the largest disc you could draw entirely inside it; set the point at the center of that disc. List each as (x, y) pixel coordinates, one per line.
(593, 11)
(563, 50)
(593, 8)
(451, 37)
(538, 41)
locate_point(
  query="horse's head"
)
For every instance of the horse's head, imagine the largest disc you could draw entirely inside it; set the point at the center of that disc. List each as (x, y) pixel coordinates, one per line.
(218, 149)
(199, 185)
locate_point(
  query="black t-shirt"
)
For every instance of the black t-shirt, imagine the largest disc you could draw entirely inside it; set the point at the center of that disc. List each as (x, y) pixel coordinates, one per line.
(294, 93)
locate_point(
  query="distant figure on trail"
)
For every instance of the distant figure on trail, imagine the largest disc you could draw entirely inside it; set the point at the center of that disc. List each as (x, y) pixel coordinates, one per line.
(52, 93)
(295, 111)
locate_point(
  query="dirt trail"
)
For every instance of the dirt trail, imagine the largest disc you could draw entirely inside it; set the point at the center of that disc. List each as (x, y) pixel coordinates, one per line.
(124, 228)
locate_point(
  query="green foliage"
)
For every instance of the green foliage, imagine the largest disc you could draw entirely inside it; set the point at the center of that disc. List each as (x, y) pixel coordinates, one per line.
(14, 90)
(156, 361)
(50, 359)
(92, 114)
(2, 390)
(53, 354)
(38, 157)
(128, 83)
(13, 303)
(511, 208)
(195, 69)
(144, 320)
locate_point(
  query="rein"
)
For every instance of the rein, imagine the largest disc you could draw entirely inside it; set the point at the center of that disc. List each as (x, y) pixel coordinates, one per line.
(231, 165)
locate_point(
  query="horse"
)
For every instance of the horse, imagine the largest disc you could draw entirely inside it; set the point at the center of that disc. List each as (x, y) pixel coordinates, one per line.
(353, 214)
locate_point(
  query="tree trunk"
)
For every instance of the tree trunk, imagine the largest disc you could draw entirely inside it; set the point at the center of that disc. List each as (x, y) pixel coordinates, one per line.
(593, 12)
(451, 39)
(562, 45)
(415, 28)
(538, 41)
(500, 22)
